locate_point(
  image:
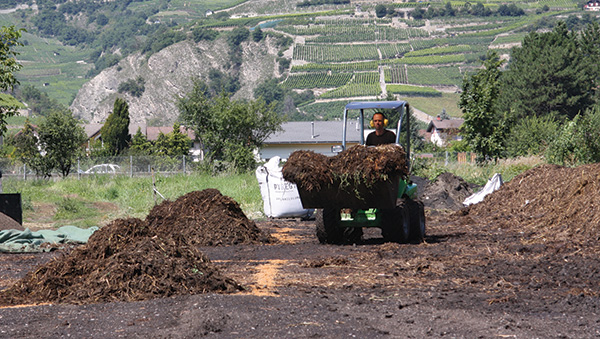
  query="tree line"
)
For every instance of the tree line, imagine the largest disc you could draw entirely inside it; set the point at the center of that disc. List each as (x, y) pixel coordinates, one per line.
(448, 10)
(59, 140)
(308, 3)
(545, 101)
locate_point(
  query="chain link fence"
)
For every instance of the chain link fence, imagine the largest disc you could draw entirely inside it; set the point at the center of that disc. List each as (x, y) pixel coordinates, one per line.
(146, 165)
(447, 157)
(118, 165)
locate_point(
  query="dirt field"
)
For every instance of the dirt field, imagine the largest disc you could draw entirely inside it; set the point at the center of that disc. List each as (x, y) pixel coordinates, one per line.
(522, 264)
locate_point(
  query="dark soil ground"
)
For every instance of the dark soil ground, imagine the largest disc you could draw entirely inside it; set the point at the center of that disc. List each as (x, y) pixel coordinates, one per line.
(522, 264)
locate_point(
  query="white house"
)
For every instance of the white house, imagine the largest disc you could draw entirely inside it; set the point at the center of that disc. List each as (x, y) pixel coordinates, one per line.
(593, 5)
(317, 136)
(443, 131)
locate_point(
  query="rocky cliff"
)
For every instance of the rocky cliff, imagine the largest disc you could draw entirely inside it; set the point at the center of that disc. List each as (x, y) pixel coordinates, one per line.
(169, 74)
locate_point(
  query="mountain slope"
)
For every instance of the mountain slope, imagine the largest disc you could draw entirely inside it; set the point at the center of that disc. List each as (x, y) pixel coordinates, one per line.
(168, 74)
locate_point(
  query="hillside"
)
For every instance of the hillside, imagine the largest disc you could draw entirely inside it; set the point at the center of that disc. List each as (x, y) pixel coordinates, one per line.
(168, 74)
(419, 51)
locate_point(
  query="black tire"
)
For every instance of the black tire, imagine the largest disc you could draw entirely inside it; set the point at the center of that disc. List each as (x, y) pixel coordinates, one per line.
(417, 218)
(395, 223)
(329, 231)
(352, 235)
(327, 222)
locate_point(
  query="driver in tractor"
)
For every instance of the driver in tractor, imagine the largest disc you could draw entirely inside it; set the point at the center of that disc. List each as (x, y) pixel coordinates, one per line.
(381, 135)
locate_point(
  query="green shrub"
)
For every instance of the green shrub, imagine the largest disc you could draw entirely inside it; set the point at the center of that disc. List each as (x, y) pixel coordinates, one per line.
(531, 136)
(578, 142)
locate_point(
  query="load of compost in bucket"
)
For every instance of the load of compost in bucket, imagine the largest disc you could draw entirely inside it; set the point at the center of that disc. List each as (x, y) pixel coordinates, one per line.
(358, 164)
(133, 259)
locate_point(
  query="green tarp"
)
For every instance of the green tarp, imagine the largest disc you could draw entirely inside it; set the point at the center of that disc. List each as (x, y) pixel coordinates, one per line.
(29, 241)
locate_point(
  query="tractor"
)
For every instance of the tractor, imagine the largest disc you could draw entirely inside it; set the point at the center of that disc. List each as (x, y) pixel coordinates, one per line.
(390, 204)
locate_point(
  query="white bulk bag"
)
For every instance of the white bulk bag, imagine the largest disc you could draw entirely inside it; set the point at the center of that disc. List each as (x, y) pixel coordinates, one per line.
(492, 185)
(280, 197)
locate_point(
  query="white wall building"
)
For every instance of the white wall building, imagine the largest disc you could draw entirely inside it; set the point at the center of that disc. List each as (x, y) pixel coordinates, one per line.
(317, 136)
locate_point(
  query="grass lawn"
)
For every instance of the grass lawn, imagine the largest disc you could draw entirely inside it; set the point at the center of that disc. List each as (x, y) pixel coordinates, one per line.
(434, 105)
(97, 200)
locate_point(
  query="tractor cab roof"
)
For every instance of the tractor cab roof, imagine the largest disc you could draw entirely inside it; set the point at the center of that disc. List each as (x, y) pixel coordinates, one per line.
(376, 104)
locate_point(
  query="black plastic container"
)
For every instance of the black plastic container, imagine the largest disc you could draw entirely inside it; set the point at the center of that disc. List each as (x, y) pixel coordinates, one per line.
(10, 204)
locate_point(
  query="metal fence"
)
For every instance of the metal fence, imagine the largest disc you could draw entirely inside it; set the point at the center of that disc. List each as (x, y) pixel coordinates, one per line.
(146, 165)
(118, 165)
(447, 157)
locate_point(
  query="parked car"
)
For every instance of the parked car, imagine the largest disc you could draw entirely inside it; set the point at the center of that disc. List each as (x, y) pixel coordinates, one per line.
(104, 168)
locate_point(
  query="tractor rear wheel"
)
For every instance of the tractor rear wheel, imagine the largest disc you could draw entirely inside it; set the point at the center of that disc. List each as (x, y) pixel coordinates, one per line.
(395, 223)
(417, 221)
(327, 222)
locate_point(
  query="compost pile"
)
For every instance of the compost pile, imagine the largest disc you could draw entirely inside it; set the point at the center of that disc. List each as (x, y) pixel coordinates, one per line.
(8, 223)
(205, 218)
(447, 192)
(133, 259)
(358, 164)
(549, 202)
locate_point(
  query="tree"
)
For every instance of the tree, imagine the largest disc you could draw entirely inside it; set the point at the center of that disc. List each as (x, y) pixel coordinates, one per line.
(590, 52)
(161, 145)
(257, 34)
(578, 142)
(229, 130)
(484, 128)
(9, 39)
(173, 143)
(510, 10)
(219, 82)
(135, 87)
(201, 33)
(480, 10)
(28, 150)
(115, 132)
(102, 19)
(270, 91)
(531, 136)
(140, 145)
(444, 115)
(449, 10)
(418, 13)
(61, 137)
(549, 74)
(237, 36)
(39, 102)
(380, 11)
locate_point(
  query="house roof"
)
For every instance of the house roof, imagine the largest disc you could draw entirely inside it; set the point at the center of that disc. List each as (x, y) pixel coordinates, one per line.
(133, 127)
(424, 134)
(92, 129)
(314, 132)
(375, 104)
(445, 124)
(152, 133)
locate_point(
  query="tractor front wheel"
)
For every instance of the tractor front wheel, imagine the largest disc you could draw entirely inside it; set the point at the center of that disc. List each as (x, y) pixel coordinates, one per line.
(329, 231)
(395, 223)
(327, 225)
(417, 221)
